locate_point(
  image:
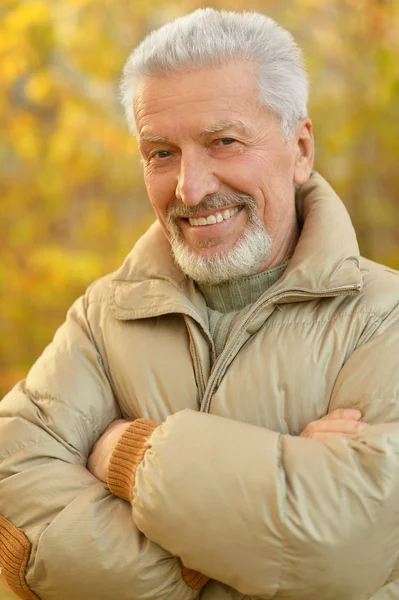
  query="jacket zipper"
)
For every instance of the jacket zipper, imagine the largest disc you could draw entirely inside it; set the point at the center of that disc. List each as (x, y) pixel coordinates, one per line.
(200, 373)
(198, 370)
(230, 348)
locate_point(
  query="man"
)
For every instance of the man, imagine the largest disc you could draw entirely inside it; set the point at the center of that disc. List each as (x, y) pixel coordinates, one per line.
(241, 397)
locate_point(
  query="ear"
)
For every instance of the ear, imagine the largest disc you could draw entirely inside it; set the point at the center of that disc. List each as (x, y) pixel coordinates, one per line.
(305, 152)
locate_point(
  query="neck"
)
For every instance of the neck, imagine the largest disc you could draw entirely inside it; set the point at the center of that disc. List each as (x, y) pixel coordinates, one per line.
(283, 247)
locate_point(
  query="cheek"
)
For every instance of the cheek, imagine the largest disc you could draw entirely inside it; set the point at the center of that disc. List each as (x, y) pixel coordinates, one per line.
(244, 174)
(161, 192)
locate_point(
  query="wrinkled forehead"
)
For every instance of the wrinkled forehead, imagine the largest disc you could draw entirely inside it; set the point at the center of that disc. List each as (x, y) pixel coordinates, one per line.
(211, 96)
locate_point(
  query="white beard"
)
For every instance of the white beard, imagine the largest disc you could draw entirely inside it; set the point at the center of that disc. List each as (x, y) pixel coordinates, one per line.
(245, 258)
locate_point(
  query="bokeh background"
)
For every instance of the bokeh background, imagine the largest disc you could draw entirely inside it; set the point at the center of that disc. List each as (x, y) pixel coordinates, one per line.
(72, 200)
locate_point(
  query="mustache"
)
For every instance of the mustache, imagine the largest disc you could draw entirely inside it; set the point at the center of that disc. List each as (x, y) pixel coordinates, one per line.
(211, 202)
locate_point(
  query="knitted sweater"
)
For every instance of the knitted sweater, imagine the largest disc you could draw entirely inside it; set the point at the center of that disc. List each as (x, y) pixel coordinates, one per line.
(229, 302)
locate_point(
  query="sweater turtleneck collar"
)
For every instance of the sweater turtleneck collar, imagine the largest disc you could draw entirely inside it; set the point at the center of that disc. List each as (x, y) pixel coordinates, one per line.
(233, 296)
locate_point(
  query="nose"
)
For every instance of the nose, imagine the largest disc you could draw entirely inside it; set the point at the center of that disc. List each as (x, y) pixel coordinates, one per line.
(196, 178)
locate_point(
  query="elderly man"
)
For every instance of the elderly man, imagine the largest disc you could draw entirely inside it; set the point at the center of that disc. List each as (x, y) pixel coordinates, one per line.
(218, 417)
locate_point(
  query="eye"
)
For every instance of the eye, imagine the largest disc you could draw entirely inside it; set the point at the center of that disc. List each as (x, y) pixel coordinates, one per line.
(226, 141)
(162, 154)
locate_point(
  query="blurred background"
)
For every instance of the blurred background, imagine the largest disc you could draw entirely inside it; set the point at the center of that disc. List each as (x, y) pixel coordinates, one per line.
(72, 201)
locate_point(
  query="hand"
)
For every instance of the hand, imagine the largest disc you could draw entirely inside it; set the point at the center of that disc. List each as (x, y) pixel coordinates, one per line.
(98, 461)
(341, 423)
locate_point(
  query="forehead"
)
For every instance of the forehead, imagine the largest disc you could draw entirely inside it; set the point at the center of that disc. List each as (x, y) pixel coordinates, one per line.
(204, 99)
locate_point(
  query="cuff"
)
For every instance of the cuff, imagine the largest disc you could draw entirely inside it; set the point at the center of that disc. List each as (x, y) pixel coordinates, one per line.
(14, 555)
(194, 579)
(127, 456)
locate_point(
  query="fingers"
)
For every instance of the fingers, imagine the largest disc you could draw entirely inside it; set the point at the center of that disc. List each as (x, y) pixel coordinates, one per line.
(343, 413)
(342, 423)
(322, 436)
(325, 429)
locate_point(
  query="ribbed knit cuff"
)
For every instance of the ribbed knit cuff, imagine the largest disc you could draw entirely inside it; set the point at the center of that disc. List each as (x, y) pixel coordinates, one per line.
(194, 579)
(127, 456)
(14, 555)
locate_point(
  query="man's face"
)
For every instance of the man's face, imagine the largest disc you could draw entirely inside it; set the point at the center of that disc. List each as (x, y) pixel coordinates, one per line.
(217, 171)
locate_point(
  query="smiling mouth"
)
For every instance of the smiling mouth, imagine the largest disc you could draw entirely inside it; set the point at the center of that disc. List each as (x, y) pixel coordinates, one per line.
(216, 217)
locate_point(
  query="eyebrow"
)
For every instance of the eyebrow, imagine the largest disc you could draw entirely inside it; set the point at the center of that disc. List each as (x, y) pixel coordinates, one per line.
(216, 128)
(154, 139)
(222, 125)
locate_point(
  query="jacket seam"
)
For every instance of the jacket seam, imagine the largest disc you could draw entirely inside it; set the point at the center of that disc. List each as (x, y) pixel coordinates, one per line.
(43, 398)
(127, 282)
(86, 324)
(101, 359)
(280, 464)
(34, 396)
(384, 318)
(316, 321)
(380, 322)
(148, 307)
(21, 449)
(366, 336)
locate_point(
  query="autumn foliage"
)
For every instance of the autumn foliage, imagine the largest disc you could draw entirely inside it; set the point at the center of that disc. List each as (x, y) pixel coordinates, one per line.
(72, 200)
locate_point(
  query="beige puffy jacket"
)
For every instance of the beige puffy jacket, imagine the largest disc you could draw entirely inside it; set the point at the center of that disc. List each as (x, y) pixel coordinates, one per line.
(225, 485)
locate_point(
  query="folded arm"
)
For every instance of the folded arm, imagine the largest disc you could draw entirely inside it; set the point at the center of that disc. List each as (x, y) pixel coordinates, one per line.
(62, 534)
(267, 513)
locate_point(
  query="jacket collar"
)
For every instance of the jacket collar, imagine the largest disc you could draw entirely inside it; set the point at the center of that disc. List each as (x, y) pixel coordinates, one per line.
(325, 262)
(326, 256)
(149, 284)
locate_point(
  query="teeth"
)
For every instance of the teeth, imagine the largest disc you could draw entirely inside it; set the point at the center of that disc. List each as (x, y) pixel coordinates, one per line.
(216, 218)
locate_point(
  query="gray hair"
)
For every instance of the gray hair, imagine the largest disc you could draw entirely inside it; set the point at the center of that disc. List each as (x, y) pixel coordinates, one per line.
(207, 38)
